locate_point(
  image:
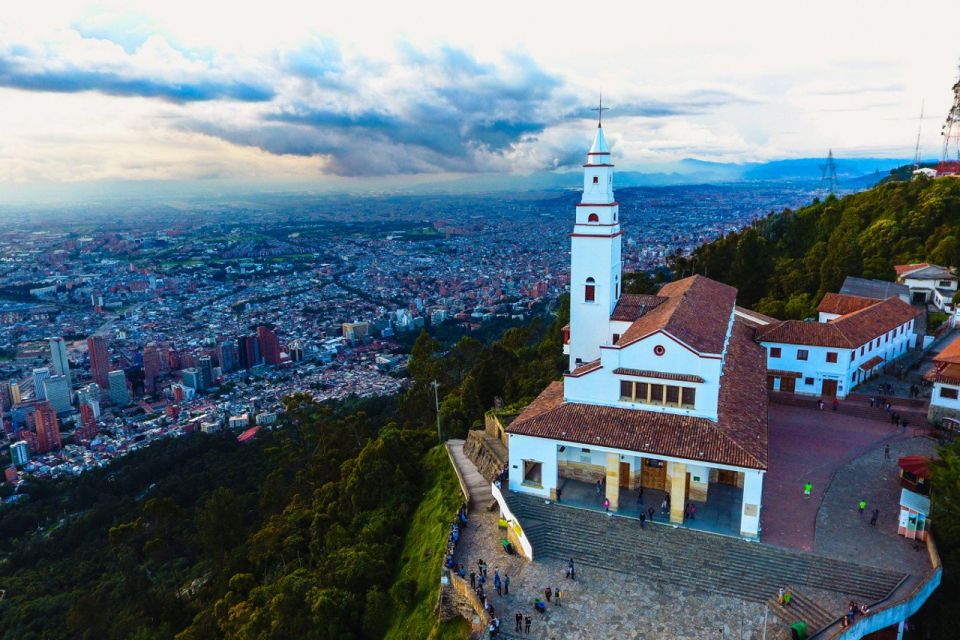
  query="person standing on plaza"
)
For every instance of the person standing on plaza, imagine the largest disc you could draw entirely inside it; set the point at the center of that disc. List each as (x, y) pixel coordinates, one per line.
(526, 624)
(519, 622)
(875, 517)
(862, 506)
(820, 404)
(473, 579)
(599, 488)
(547, 593)
(556, 597)
(506, 585)
(497, 584)
(651, 512)
(643, 520)
(606, 505)
(807, 489)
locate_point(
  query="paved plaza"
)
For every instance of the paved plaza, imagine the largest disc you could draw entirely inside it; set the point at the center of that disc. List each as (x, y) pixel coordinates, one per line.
(807, 445)
(842, 455)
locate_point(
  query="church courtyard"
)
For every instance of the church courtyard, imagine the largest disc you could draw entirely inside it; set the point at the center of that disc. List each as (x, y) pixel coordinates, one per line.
(663, 581)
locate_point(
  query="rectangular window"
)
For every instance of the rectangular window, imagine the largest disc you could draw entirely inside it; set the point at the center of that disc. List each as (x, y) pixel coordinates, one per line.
(643, 391)
(831, 356)
(689, 398)
(596, 179)
(673, 396)
(532, 472)
(945, 284)
(656, 394)
(950, 394)
(616, 337)
(589, 293)
(626, 390)
(774, 352)
(808, 381)
(802, 354)
(861, 350)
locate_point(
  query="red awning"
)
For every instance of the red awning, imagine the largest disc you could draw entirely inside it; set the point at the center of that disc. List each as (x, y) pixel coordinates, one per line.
(917, 465)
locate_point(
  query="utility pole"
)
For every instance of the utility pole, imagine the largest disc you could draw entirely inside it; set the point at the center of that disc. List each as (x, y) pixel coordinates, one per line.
(436, 403)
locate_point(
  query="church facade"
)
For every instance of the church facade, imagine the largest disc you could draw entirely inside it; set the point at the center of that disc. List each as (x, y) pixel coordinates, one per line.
(664, 392)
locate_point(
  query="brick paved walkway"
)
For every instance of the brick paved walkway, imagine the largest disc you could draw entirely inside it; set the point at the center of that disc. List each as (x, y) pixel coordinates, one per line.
(809, 445)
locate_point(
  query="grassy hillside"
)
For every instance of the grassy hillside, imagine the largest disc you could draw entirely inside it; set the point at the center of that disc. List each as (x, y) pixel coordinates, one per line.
(784, 263)
(417, 584)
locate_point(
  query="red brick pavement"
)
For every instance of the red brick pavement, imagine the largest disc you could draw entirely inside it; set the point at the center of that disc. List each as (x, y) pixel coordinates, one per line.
(809, 445)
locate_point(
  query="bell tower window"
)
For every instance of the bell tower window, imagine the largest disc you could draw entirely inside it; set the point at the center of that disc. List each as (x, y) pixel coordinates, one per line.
(590, 291)
(593, 218)
(596, 179)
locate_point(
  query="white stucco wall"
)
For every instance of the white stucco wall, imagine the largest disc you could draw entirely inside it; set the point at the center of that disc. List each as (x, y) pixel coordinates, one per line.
(817, 367)
(752, 495)
(539, 449)
(938, 400)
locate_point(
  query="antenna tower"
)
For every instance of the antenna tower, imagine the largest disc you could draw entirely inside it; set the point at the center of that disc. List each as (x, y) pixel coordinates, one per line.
(828, 175)
(951, 130)
(916, 151)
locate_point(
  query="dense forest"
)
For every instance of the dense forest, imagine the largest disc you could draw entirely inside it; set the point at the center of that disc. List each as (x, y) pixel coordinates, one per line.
(784, 263)
(297, 534)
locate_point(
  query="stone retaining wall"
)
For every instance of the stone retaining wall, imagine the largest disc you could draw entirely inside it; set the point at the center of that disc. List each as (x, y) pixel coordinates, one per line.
(581, 471)
(457, 599)
(484, 456)
(936, 413)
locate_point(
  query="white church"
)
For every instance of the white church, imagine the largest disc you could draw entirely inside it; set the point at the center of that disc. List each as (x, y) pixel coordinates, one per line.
(664, 392)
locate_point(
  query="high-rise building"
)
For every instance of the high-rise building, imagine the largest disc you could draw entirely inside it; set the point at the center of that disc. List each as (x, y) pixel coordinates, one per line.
(205, 367)
(39, 375)
(295, 349)
(152, 368)
(19, 453)
(249, 351)
(228, 355)
(15, 396)
(269, 345)
(119, 393)
(56, 390)
(191, 378)
(87, 430)
(90, 395)
(99, 360)
(6, 396)
(47, 427)
(58, 354)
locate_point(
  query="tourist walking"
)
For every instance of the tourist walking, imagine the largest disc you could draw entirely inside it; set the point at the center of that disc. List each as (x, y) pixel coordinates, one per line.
(526, 624)
(664, 508)
(556, 598)
(571, 572)
(498, 584)
(519, 622)
(691, 511)
(807, 488)
(650, 512)
(473, 579)
(836, 404)
(547, 593)
(643, 520)
(606, 505)
(862, 505)
(506, 585)
(599, 488)
(874, 517)
(820, 404)
(640, 496)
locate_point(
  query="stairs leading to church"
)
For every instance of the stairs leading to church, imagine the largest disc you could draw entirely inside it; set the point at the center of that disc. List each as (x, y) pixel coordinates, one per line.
(802, 608)
(688, 558)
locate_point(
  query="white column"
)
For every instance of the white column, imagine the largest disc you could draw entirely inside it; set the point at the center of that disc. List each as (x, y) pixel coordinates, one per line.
(750, 510)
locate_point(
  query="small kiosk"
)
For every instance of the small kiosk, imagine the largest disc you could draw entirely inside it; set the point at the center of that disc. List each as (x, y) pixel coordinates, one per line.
(914, 510)
(914, 471)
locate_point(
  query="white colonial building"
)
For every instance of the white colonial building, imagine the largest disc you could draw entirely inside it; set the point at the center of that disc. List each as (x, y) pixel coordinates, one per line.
(929, 283)
(945, 376)
(664, 392)
(854, 338)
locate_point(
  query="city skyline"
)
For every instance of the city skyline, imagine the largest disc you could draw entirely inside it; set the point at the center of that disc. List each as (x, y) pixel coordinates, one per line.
(138, 96)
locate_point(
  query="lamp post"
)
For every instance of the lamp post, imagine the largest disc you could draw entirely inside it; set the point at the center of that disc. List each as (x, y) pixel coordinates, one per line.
(436, 404)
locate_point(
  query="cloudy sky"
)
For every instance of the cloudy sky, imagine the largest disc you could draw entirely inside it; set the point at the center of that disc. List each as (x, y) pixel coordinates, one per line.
(376, 94)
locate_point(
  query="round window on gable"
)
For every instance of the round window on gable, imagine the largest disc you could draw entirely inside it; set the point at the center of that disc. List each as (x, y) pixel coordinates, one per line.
(659, 350)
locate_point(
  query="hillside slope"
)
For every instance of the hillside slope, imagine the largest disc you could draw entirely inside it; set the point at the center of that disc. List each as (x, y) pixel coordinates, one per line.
(784, 263)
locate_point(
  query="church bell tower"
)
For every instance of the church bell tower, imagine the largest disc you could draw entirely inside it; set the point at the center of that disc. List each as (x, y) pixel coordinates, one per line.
(595, 264)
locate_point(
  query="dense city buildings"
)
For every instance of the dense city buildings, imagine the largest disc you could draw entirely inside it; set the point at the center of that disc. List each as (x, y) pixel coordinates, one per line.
(165, 325)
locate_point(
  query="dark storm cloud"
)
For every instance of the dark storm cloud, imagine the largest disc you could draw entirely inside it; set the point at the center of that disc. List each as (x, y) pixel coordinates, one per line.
(16, 76)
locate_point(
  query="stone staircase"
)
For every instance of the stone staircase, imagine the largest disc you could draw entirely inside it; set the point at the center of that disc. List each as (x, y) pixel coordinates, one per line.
(687, 558)
(802, 608)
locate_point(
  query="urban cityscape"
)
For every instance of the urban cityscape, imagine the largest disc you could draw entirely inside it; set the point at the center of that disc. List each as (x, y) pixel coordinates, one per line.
(152, 329)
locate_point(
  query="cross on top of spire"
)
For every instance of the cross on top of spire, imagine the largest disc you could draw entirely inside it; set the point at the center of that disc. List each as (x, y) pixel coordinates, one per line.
(600, 111)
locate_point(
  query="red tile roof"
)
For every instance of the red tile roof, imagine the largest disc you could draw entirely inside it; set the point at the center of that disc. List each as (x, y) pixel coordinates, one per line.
(738, 437)
(631, 306)
(842, 304)
(903, 269)
(871, 363)
(846, 332)
(754, 318)
(950, 353)
(587, 367)
(696, 312)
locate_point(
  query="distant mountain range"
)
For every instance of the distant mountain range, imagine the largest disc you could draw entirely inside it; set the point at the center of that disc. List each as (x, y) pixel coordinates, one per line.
(852, 173)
